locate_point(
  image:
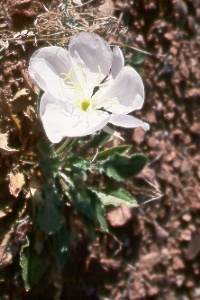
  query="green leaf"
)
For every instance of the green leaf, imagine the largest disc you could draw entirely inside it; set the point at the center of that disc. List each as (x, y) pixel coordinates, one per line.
(100, 211)
(41, 92)
(79, 175)
(85, 204)
(116, 197)
(61, 241)
(44, 149)
(64, 146)
(66, 179)
(119, 149)
(77, 167)
(91, 208)
(123, 167)
(138, 58)
(80, 163)
(33, 264)
(96, 141)
(90, 226)
(100, 139)
(50, 167)
(24, 260)
(50, 217)
(66, 184)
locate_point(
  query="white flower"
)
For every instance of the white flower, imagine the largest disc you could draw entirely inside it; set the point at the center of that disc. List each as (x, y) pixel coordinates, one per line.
(85, 88)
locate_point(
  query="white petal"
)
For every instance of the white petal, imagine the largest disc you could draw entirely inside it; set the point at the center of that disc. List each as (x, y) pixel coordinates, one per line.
(58, 58)
(47, 66)
(47, 99)
(53, 123)
(87, 79)
(118, 61)
(128, 122)
(58, 123)
(110, 131)
(124, 94)
(93, 50)
(43, 75)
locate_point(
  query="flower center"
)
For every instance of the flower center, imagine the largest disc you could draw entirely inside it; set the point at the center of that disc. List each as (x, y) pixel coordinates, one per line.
(85, 105)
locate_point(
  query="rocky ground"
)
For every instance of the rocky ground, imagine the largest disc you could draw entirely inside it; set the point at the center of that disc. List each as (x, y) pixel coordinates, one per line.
(154, 250)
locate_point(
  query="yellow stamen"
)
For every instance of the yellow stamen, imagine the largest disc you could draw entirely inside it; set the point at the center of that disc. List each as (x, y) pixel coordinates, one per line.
(85, 105)
(88, 101)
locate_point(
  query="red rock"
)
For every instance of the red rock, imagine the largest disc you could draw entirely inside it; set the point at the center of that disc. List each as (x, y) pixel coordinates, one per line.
(193, 93)
(178, 263)
(189, 284)
(186, 218)
(138, 135)
(119, 216)
(195, 128)
(186, 235)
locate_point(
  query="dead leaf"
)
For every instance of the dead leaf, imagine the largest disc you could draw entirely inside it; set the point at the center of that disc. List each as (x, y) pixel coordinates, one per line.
(28, 83)
(21, 93)
(17, 181)
(77, 2)
(5, 253)
(4, 143)
(9, 112)
(3, 45)
(2, 214)
(35, 191)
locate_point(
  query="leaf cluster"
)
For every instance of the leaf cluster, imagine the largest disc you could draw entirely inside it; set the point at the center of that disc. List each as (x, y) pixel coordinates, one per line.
(72, 185)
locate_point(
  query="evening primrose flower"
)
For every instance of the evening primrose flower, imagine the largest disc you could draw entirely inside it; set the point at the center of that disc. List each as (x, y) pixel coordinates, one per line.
(85, 88)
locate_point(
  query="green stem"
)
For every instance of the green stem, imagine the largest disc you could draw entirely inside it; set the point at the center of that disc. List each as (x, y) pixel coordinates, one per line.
(63, 147)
